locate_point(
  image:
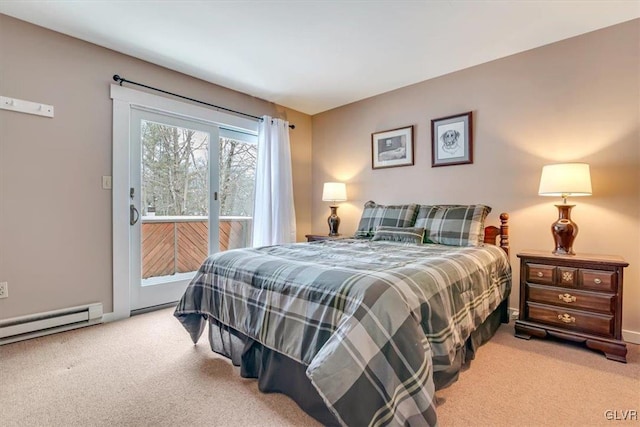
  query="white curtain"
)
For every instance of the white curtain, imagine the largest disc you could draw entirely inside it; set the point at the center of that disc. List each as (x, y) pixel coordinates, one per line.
(274, 217)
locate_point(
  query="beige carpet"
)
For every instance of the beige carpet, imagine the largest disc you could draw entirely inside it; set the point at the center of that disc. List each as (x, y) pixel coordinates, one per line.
(145, 371)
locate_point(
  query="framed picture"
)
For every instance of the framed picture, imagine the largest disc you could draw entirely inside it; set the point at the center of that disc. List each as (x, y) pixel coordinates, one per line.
(392, 148)
(452, 140)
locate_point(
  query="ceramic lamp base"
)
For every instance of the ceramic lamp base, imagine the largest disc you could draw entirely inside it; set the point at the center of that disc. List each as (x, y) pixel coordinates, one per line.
(333, 221)
(564, 231)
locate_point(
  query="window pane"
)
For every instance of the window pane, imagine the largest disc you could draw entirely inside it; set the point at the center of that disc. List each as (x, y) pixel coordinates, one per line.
(175, 201)
(237, 187)
(174, 168)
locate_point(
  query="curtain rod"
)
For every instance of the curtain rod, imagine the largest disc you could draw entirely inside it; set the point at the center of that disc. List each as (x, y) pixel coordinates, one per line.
(121, 80)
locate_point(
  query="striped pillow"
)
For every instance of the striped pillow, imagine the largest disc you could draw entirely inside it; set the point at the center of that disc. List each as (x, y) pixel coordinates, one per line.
(375, 215)
(411, 235)
(454, 225)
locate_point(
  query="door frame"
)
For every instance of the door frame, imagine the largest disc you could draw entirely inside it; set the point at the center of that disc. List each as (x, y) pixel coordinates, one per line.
(123, 100)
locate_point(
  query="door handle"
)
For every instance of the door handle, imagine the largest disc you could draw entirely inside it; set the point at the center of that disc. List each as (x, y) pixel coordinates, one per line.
(134, 215)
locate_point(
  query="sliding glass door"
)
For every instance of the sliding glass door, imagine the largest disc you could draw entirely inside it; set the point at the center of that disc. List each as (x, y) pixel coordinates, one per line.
(174, 204)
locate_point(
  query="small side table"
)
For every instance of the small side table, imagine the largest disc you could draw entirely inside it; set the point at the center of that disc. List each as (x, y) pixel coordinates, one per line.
(318, 237)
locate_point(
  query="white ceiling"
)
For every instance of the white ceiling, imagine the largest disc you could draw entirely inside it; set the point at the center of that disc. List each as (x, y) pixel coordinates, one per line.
(315, 55)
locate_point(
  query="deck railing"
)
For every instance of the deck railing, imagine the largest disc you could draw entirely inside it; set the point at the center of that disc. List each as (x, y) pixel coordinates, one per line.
(178, 244)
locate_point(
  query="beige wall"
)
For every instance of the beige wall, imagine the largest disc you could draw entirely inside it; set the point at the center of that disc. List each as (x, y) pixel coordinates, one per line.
(576, 100)
(55, 219)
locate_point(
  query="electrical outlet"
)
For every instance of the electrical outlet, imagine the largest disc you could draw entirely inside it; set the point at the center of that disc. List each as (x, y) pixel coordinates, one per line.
(4, 289)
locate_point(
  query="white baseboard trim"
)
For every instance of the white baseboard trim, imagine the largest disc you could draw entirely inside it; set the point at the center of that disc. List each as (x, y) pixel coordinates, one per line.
(632, 337)
(112, 317)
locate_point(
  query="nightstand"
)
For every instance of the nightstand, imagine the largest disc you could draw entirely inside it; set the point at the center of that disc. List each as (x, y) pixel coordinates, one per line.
(577, 298)
(317, 237)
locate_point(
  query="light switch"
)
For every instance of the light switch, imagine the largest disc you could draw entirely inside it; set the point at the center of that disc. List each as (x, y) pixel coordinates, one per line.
(106, 183)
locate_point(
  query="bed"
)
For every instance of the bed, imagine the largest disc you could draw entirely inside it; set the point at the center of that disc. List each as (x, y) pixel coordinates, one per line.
(359, 331)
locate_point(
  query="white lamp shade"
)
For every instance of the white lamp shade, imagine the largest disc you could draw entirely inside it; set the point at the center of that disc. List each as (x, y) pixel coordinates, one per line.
(334, 192)
(565, 179)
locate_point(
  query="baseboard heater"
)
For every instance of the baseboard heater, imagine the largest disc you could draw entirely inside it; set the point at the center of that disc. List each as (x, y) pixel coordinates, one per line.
(51, 322)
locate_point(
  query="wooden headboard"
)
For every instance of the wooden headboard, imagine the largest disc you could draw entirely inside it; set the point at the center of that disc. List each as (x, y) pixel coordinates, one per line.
(491, 233)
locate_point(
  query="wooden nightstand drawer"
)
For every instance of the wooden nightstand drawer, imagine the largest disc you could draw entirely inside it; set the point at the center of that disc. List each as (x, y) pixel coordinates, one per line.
(543, 274)
(571, 319)
(604, 303)
(598, 280)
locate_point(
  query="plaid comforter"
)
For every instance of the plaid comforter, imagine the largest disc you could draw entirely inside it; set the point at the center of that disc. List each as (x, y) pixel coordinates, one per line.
(370, 320)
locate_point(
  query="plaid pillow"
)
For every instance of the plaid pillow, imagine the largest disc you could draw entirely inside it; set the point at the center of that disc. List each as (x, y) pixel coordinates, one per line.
(455, 225)
(390, 216)
(411, 235)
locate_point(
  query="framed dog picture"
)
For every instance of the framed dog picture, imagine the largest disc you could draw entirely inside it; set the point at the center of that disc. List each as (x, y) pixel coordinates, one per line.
(392, 148)
(451, 140)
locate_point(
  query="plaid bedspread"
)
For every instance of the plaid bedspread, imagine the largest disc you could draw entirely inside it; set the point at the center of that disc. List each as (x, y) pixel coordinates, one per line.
(371, 320)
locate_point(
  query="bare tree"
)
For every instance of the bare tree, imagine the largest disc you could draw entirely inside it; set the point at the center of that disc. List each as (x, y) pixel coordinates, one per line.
(237, 177)
(170, 161)
(176, 169)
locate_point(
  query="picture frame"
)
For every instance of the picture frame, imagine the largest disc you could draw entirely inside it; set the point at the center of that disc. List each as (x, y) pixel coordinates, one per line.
(452, 140)
(392, 148)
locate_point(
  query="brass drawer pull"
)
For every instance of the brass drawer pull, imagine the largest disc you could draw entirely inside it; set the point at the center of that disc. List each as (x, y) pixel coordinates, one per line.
(567, 297)
(597, 281)
(566, 318)
(540, 274)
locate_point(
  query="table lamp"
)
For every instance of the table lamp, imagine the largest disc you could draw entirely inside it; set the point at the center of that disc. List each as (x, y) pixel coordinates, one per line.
(334, 192)
(564, 180)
